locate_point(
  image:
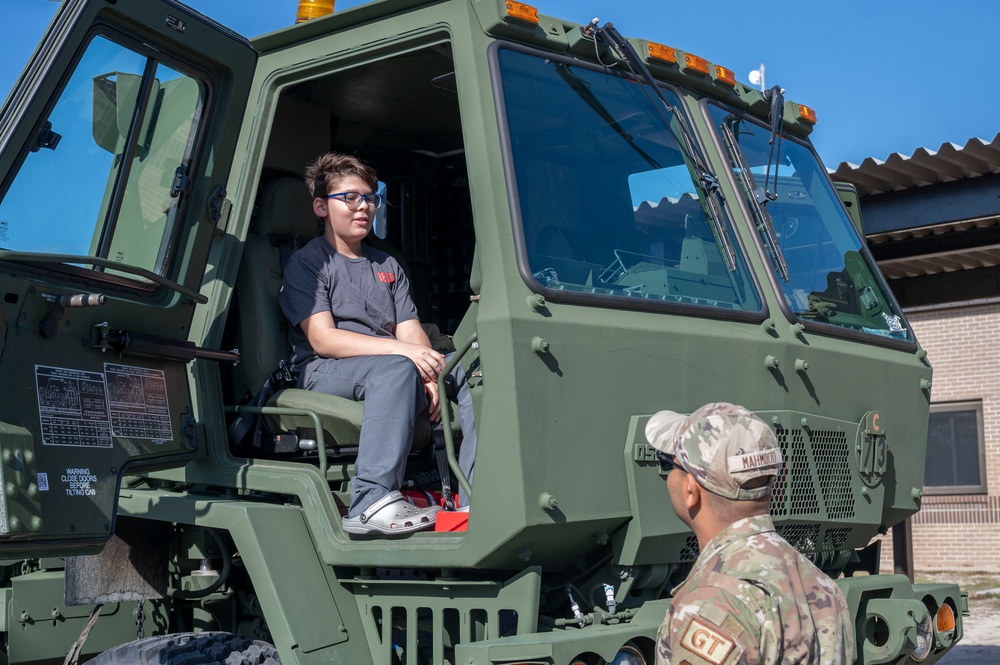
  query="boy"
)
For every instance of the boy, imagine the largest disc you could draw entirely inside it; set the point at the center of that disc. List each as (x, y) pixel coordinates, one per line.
(355, 334)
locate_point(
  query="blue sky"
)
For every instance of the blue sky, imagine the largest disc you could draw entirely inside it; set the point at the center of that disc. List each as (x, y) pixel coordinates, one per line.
(884, 76)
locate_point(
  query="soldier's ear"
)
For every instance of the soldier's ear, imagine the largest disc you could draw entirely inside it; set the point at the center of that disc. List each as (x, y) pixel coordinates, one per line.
(691, 492)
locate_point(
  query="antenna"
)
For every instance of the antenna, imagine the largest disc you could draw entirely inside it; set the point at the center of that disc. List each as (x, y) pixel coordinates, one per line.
(757, 77)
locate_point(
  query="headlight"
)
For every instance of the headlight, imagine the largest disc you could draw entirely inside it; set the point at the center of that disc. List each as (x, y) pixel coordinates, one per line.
(925, 639)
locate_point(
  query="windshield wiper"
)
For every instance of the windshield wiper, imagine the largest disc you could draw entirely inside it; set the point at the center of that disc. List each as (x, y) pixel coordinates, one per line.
(707, 180)
(755, 196)
(775, 97)
(69, 259)
(582, 88)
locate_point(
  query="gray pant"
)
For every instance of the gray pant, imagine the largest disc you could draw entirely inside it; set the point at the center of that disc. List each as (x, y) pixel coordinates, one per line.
(394, 396)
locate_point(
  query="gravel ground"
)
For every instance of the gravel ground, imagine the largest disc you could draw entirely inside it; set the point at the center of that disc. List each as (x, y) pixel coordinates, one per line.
(981, 643)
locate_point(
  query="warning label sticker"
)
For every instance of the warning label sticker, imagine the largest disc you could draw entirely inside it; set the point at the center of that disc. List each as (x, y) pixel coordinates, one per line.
(73, 408)
(137, 400)
(79, 482)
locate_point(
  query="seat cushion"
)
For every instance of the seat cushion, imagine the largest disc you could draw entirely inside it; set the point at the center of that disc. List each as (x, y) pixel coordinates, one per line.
(340, 418)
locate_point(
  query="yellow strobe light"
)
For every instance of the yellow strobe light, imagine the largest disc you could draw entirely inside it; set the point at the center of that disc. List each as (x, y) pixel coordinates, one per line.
(310, 9)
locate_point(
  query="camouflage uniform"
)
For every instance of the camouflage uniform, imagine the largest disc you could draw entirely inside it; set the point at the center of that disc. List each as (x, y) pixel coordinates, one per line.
(751, 597)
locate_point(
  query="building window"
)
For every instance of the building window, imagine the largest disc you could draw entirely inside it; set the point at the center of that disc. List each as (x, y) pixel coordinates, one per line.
(955, 458)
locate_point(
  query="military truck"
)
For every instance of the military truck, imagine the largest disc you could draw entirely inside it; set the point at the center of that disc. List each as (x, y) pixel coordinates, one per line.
(601, 226)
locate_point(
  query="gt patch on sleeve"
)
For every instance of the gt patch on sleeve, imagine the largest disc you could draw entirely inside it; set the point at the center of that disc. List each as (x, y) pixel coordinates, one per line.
(706, 641)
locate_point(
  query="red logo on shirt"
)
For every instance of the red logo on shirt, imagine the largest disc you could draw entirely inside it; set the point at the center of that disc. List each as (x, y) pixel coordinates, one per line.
(387, 277)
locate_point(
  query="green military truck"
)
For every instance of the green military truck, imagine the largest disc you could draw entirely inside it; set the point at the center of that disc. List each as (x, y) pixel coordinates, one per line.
(601, 226)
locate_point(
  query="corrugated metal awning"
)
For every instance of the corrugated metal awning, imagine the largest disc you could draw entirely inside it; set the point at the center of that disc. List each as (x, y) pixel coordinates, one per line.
(929, 213)
(924, 167)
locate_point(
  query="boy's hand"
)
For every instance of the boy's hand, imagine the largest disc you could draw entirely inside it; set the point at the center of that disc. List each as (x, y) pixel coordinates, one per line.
(433, 403)
(428, 361)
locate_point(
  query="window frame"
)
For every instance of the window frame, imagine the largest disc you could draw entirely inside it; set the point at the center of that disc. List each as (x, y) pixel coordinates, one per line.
(138, 287)
(975, 405)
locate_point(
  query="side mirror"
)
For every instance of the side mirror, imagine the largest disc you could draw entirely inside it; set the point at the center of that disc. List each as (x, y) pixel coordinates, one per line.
(116, 96)
(380, 226)
(849, 197)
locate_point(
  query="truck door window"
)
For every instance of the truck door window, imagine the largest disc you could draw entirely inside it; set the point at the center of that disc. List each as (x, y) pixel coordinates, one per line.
(607, 200)
(107, 169)
(830, 279)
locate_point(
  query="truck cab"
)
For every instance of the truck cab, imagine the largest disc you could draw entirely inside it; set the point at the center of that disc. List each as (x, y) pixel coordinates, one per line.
(597, 226)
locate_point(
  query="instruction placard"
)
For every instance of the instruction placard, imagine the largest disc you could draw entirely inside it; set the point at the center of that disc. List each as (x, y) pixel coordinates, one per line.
(72, 407)
(137, 399)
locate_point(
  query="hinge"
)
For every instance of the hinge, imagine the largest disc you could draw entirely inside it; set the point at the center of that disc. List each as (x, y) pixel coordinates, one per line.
(180, 183)
(46, 138)
(219, 208)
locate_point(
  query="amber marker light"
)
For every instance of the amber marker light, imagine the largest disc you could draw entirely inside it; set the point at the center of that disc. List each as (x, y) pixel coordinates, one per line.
(310, 9)
(662, 53)
(695, 64)
(807, 114)
(521, 12)
(724, 75)
(945, 619)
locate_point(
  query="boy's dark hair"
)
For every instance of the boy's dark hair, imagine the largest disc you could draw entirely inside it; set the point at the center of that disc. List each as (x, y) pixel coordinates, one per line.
(333, 166)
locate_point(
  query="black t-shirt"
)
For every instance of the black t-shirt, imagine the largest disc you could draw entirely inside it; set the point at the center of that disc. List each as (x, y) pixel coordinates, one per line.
(368, 295)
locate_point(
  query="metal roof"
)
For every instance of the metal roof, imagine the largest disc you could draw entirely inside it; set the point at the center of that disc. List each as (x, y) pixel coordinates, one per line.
(933, 211)
(924, 167)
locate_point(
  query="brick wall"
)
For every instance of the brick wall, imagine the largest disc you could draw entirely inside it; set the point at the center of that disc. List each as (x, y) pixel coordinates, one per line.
(961, 531)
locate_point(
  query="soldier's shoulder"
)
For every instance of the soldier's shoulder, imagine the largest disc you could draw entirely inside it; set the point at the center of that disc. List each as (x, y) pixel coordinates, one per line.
(713, 625)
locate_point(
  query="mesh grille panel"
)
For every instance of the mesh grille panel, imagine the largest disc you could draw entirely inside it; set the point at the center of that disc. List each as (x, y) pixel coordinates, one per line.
(802, 537)
(834, 471)
(690, 551)
(834, 539)
(793, 490)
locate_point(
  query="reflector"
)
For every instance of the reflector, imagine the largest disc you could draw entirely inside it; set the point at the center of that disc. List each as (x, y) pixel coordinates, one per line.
(725, 75)
(521, 12)
(945, 618)
(662, 52)
(695, 64)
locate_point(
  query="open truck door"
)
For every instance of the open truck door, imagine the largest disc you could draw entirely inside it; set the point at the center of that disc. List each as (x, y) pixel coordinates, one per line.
(114, 148)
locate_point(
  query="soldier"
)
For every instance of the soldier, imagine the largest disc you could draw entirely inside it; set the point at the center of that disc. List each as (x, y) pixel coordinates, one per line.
(750, 597)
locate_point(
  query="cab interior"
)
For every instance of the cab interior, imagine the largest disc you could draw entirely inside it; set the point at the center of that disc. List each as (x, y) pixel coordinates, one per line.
(401, 116)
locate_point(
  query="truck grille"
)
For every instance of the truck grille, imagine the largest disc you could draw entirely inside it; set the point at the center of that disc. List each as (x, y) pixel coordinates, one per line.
(410, 619)
(815, 479)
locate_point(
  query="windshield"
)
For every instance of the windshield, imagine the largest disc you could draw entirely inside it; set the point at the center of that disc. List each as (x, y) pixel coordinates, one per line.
(607, 200)
(806, 232)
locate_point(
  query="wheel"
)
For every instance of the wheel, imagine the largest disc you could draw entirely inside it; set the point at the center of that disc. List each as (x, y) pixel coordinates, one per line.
(208, 648)
(629, 654)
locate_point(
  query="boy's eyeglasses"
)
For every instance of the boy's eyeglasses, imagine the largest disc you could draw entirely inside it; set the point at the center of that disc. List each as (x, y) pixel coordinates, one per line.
(354, 199)
(666, 463)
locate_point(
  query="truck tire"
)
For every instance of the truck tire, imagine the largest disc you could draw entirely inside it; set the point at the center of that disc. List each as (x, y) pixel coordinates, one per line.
(208, 648)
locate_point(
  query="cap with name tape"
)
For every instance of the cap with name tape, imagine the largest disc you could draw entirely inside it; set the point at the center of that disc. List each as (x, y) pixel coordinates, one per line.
(724, 446)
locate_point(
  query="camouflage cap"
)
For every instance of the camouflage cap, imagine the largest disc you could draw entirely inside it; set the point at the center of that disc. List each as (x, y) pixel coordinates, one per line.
(722, 445)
